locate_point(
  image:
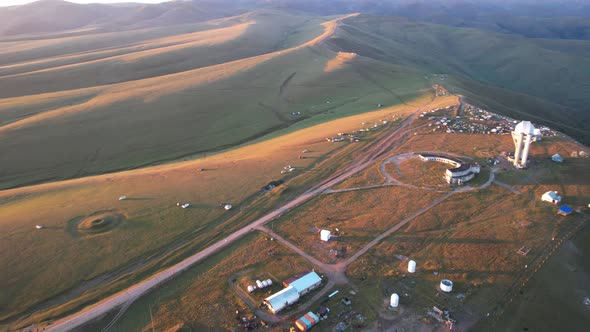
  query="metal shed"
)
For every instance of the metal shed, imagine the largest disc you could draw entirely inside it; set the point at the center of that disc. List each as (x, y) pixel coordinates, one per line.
(282, 299)
(306, 283)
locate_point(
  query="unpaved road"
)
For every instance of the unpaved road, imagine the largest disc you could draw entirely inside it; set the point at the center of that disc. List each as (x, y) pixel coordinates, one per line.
(366, 157)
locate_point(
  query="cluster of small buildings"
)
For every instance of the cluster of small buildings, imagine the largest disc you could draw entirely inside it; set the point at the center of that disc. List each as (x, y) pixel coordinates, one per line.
(553, 198)
(461, 171)
(295, 287)
(439, 90)
(343, 137)
(477, 121)
(352, 137)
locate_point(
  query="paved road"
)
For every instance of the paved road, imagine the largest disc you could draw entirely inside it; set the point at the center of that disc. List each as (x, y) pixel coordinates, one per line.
(364, 159)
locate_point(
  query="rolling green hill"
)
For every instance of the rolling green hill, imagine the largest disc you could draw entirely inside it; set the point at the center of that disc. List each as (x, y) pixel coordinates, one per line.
(73, 106)
(174, 101)
(546, 80)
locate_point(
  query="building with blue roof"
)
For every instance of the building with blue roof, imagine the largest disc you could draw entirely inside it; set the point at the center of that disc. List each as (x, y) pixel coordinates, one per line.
(294, 289)
(306, 283)
(565, 210)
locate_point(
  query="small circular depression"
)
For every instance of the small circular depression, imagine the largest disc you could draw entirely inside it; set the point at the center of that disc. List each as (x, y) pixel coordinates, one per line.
(99, 222)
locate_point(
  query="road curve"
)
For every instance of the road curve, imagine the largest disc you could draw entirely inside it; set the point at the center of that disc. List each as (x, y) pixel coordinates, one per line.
(368, 156)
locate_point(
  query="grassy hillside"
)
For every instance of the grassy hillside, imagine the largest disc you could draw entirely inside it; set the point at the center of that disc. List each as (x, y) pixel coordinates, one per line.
(108, 58)
(102, 128)
(68, 253)
(550, 72)
(127, 99)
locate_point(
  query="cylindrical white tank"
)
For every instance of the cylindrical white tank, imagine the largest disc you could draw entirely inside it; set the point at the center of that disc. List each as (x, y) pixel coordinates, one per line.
(446, 285)
(411, 266)
(269, 282)
(394, 301)
(259, 284)
(264, 283)
(251, 288)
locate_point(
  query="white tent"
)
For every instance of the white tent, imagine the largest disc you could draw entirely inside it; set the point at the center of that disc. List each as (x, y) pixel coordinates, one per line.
(551, 197)
(325, 235)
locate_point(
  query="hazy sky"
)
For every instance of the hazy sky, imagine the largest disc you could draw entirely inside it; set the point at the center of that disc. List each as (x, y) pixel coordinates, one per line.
(21, 2)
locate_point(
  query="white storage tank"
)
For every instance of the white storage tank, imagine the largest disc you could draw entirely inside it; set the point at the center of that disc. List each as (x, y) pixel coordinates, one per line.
(446, 285)
(251, 288)
(412, 266)
(259, 284)
(269, 282)
(394, 301)
(264, 283)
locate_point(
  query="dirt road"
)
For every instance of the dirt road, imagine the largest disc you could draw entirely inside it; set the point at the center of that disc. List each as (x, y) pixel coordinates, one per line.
(365, 158)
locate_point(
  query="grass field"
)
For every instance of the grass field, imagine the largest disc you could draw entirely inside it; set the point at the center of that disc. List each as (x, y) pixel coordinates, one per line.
(152, 221)
(562, 300)
(419, 173)
(472, 239)
(511, 75)
(159, 94)
(203, 298)
(355, 218)
(170, 113)
(83, 115)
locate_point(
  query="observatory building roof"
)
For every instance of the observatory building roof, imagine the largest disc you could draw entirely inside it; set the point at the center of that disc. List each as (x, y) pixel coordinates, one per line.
(525, 127)
(428, 155)
(462, 168)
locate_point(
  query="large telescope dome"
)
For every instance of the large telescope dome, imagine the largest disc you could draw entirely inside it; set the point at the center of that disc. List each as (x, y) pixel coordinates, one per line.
(524, 127)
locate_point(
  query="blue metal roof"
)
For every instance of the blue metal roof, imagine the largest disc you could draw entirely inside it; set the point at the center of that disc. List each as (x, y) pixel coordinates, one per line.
(283, 298)
(309, 280)
(566, 209)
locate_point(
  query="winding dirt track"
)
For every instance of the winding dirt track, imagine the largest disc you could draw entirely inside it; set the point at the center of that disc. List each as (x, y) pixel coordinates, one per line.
(363, 160)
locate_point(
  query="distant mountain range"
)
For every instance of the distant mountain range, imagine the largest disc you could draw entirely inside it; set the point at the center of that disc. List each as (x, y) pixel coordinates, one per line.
(48, 16)
(536, 19)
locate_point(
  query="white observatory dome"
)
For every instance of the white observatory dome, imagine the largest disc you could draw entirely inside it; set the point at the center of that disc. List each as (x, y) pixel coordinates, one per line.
(446, 285)
(525, 127)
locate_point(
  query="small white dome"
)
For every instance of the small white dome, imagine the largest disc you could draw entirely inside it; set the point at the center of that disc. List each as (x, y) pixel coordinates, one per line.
(525, 127)
(446, 285)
